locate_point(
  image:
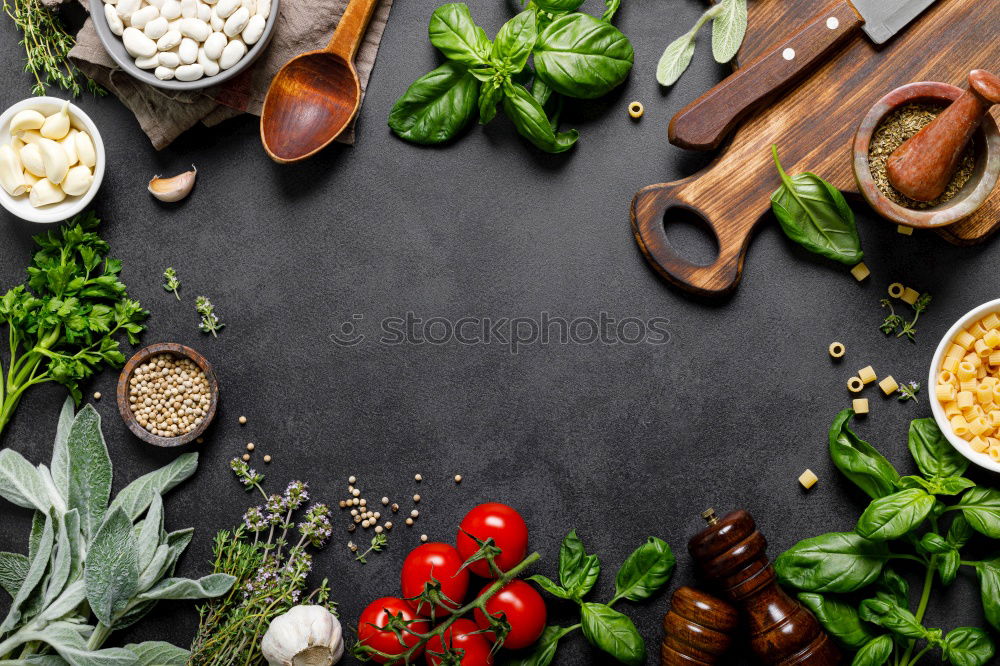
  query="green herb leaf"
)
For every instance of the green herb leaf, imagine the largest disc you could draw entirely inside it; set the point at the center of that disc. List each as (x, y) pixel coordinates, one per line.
(959, 532)
(613, 633)
(612, 8)
(489, 96)
(675, 60)
(112, 574)
(728, 30)
(558, 6)
(136, 497)
(89, 470)
(896, 619)
(207, 587)
(544, 649)
(39, 561)
(550, 586)
(814, 214)
(60, 450)
(514, 42)
(67, 640)
(645, 571)
(947, 566)
(968, 646)
(839, 618)
(894, 587)
(981, 507)
(580, 56)
(13, 570)
(437, 106)
(456, 35)
(158, 653)
(989, 587)
(21, 484)
(578, 571)
(875, 653)
(859, 461)
(531, 122)
(893, 516)
(947, 486)
(148, 538)
(934, 455)
(834, 562)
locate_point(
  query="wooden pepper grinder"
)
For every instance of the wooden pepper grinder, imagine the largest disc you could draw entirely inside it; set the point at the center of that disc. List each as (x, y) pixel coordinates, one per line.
(923, 166)
(697, 630)
(731, 552)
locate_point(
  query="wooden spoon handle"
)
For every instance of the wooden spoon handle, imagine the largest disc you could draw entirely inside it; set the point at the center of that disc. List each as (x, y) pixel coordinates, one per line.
(351, 29)
(704, 123)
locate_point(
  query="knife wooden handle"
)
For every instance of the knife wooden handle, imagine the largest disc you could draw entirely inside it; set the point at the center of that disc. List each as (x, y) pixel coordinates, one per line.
(705, 122)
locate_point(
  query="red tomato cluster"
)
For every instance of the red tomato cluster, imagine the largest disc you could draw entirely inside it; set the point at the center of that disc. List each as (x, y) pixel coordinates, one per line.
(440, 566)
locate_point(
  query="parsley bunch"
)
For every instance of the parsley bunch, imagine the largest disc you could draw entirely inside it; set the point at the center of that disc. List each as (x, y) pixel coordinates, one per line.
(62, 324)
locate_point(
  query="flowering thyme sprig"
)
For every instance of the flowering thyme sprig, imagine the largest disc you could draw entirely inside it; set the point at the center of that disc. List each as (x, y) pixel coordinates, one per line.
(209, 321)
(908, 391)
(171, 282)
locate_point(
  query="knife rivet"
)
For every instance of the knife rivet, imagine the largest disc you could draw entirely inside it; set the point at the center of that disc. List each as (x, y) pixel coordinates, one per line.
(833, 23)
(788, 54)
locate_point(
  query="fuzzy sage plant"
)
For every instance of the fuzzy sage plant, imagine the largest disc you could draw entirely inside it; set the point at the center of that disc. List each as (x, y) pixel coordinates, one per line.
(92, 567)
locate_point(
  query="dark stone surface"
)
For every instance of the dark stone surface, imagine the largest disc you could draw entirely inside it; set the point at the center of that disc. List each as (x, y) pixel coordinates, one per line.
(620, 441)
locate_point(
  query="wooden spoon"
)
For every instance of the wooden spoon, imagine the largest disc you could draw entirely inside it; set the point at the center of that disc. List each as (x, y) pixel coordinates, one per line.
(315, 95)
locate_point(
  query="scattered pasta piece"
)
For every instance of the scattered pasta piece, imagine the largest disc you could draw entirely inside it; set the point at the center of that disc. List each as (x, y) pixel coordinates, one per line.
(808, 479)
(837, 349)
(896, 289)
(860, 405)
(867, 375)
(636, 109)
(910, 296)
(860, 272)
(905, 230)
(854, 385)
(888, 385)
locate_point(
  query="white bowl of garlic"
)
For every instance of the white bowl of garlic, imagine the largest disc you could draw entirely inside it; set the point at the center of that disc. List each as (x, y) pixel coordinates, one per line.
(185, 44)
(51, 159)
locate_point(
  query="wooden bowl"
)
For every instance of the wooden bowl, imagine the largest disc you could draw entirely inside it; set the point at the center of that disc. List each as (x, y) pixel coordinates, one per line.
(125, 409)
(972, 195)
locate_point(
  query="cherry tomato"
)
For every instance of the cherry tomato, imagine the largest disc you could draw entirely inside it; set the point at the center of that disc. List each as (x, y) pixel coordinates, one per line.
(501, 523)
(384, 640)
(523, 609)
(461, 636)
(441, 562)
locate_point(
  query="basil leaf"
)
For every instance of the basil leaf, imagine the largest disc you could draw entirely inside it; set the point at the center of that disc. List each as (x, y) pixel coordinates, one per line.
(558, 6)
(437, 106)
(531, 122)
(968, 646)
(514, 42)
(859, 461)
(112, 575)
(988, 572)
(896, 619)
(981, 507)
(582, 57)
(490, 95)
(834, 562)
(541, 91)
(959, 531)
(728, 30)
(13, 569)
(814, 214)
(137, 496)
(613, 633)
(950, 485)
(612, 9)
(934, 544)
(456, 35)
(545, 648)
(894, 587)
(875, 653)
(578, 571)
(839, 618)
(934, 455)
(550, 586)
(947, 566)
(893, 516)
(645, 571)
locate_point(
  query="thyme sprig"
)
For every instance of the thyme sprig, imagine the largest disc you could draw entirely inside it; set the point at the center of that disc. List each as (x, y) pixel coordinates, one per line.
(378, 543)
(171, 282)
(210, 323)
(894, 323)
(908, 391)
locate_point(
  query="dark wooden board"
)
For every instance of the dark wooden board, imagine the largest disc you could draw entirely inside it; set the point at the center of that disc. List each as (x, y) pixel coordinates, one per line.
(813, 125)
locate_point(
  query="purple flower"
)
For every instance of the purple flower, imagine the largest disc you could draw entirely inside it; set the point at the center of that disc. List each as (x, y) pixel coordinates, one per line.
(255, 520)
(296, 494)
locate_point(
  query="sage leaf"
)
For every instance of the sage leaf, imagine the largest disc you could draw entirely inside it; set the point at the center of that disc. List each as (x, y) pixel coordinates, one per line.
(207, 587)
(148, 539)
(814, 214)
(544, 649)
(728, 30)
(859, 461)
(583, 57)
(112, 574)
(875, 653)
(833, 562)
(988, 572)
(66, 639)
(893, 516)
(456, 35)
(645, 571)
(531, 122)
(437, 106)
(62, 563)
(136, 497)
(840, 619)
(675, 60)
(578, 571)
(60, 450)
(21, 484)
(89, 470)
(613, 633)
(68, 602)
(890, 616)
(155, 568)
(981, 507)
(968, 646)
(514, 41)
(550, 586)
(13, 570)
(45, 660)
(158, 653)
(39, 562)
(932, 452)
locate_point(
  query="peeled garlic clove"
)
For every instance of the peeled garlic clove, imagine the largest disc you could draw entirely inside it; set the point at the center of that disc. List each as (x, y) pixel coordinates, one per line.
(85, 149)
(30, 178)
(45, 193)
(54, 160)
(173, 189)
(11, 172)
(69, 145)
(31, 159)
(56, 126)
(77, 181)
(28, 119)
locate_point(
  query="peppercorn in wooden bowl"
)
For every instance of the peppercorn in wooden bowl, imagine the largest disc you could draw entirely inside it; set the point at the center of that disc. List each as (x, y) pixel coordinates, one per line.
(168, 394)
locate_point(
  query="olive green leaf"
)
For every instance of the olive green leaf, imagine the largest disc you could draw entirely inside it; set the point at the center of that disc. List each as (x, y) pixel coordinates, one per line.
(206, 587)
(981, 507)
(613, 633)
(840, 619)
(39, 561)
(89, 470)
(13, 569)
(158, 653)
(645, 571)
(859, 461)
(893, 516)
(544, 649)
(138, 495)
(834, 562)
(437, 106)
(21, 483)
(675, 60)
(728, 30)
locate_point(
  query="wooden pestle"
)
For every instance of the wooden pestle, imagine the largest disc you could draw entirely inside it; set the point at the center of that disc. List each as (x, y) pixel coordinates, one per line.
(731, 553)
(697, 630)
(923, 166)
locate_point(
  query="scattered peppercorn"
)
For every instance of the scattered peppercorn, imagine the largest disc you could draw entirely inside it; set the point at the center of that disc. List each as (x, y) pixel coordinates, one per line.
(97, 396)
(418, 478)
(388, 526)
(267, 459)
(250, 446)
(378, 529)
(423, 537)
(458, 478)
(395, 508)
(416, 498)
(352, 480)
(246, 457)
(409, 522)
(351, 527)
(243, 420)
(385, 501)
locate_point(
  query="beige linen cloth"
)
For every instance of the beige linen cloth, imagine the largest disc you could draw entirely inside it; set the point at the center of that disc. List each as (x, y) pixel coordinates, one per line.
(302, 25)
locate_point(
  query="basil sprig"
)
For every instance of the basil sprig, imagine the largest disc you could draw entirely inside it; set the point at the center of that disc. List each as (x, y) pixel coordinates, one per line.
(645, 572)
(574, 55)
(903, 522)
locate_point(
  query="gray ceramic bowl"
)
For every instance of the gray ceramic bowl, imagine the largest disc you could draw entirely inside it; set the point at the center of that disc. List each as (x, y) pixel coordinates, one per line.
(116, 49)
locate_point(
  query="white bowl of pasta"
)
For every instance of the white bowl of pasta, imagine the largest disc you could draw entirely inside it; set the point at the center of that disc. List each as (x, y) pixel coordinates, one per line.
(964, 385)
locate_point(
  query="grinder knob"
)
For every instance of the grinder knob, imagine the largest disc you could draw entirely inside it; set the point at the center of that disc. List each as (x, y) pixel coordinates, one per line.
(697, 630)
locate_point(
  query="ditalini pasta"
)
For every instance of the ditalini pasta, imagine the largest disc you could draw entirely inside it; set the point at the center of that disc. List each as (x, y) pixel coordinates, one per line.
(860, 405)
(968, 385)
(854, 385)
(860, 271)
(837, 349)
(867, 374)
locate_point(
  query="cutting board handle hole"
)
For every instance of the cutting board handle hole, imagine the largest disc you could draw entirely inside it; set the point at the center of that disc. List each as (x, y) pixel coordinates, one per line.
(690, 236)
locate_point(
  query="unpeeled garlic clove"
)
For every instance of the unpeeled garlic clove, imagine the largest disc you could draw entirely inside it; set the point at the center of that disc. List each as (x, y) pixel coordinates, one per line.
(54, 159)
(77, 181)
(56, 126)
(11, 173)
(31, 158)
(29, 119)
(175, 188)
(45, 193)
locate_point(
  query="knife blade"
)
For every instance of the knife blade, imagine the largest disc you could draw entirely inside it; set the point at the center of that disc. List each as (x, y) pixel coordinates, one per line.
(704, 123)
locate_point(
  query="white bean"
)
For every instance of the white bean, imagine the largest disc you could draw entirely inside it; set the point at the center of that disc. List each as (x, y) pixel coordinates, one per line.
(138, 44)
(236, 22)
(169, 59)
(142, 17)
(169, 40)
(147, 62)
(189, 8)
(210, 66)
(217, 22)
(226, 7)
(188, 51)
(189, 72)
(163, 73)
(264, 8)
(254, 29)
(232, 54)
(114, 21)
(171, 9)
(125, 8)
(155, 3)
(214, 45)
(204, 12)
(156, 28)
(196, 29)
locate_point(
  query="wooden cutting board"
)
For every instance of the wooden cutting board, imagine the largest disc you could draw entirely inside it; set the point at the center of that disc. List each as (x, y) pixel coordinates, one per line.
(813, 125)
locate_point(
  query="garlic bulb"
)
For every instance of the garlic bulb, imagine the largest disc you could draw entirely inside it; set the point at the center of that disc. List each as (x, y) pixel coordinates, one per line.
(173, 189)
(304, 636)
